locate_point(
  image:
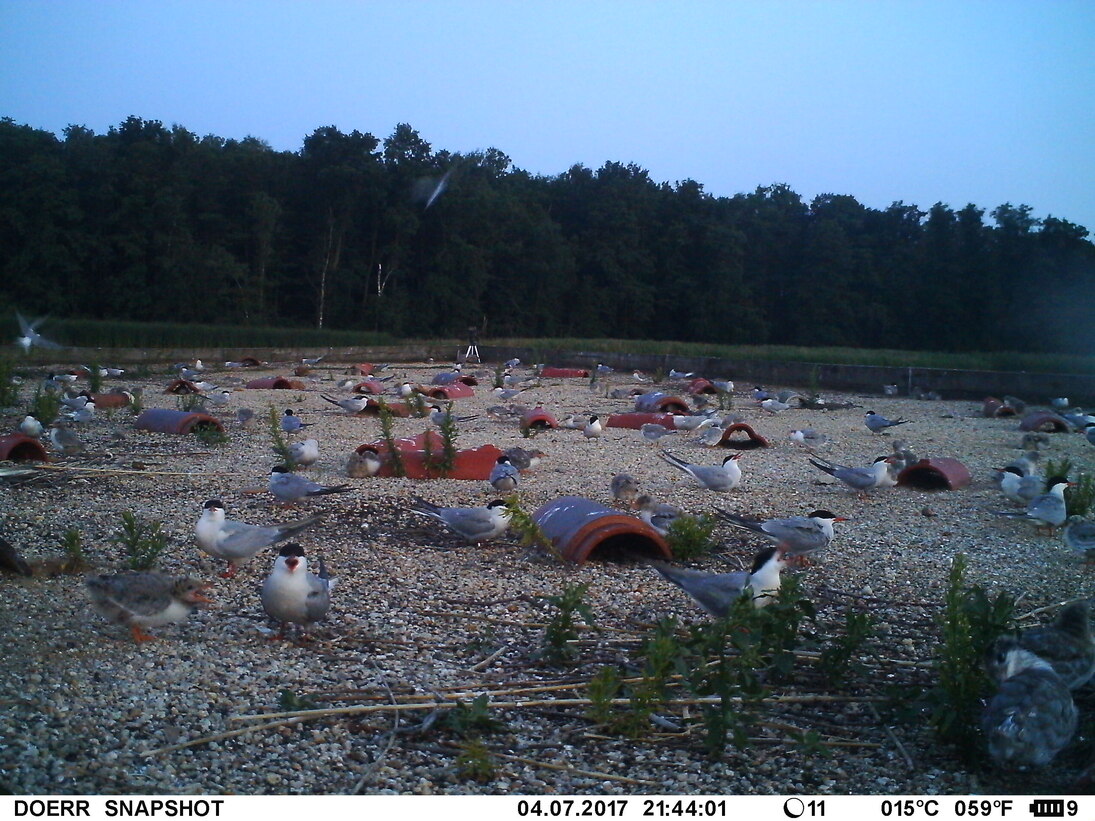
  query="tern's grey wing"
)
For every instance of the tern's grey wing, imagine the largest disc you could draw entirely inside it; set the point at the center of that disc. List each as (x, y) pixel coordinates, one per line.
(239, 540)
(1030, 487)
(714, 478)
(288, 486)
(504, 471)
(319, 598)
(798, 532)
(1047, 507)
(858, 478)
(473, 524)
(662, 516)
(714, 592)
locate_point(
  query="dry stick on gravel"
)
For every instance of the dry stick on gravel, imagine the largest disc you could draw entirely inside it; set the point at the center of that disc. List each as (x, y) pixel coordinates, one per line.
(191, 473)
(470, 692)
(557, 702)
(472, 603)
(508, 623)
(486, 662)
(861, 597)
(1041, 610)
(687, 733)
(221, 736)
(371, 768)
(890, 734)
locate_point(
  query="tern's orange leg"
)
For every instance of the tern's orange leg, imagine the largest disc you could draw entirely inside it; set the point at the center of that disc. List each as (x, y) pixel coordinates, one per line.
(140, 635)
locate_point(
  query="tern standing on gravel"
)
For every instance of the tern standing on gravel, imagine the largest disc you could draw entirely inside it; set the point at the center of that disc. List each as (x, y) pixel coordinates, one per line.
(717, 592)
(713, 477)
(476, 524)
(292, 594)
(878, 423)
(504, 477)
(797, 535)
(236, 542)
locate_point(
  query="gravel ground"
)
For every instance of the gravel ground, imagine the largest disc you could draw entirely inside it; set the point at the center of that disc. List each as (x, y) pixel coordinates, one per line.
(417, 611)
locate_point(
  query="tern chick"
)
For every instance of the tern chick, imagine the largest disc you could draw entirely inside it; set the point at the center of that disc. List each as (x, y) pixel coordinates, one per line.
(625, 488)
(140, 600)
(1067, 644)
(1032, 716)
(1079, 535)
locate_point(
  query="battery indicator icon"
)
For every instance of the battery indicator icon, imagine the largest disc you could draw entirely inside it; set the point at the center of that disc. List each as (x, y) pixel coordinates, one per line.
(1048, 808)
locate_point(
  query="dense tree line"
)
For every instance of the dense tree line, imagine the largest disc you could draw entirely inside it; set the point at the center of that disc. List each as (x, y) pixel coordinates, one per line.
(156, 223)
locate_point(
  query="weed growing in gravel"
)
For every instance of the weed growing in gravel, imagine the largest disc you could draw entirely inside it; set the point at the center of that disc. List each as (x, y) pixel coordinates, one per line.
(9, 391)
(445, 462)
(602, 688)
(190, 402)
(210, 435)
(73, 543)
(395, 458)
(473, 719)
(288, 701)
(45, 406)
(659, 654)
(136, 404)
(837, 660)
(475, 762)
(529, 533)
(144, 541)
(417, 403)
(94, 379)
(499, 376)
(970, 622)
(1079, 499)
(689, 537)
(730, 659)
(278, 443)
(562, 628)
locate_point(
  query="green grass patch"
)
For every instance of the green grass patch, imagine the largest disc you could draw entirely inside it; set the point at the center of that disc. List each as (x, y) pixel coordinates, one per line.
(996, 361)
